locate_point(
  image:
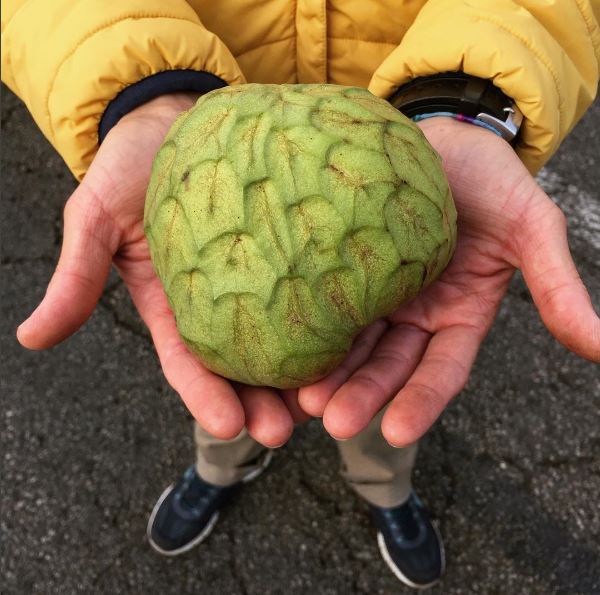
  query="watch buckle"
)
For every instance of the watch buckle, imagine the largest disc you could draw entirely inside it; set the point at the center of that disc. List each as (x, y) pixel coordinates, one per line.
(508, 128)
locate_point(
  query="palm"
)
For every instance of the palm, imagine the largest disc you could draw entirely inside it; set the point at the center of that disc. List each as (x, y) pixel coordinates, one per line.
(104, 225)
(421, 355)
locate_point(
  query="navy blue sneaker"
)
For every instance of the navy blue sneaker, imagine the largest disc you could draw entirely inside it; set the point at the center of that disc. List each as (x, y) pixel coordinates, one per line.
(409, 543)
(187, 511)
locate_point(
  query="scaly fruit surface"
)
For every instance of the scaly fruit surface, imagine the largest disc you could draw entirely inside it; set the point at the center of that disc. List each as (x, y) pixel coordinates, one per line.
(282, 219)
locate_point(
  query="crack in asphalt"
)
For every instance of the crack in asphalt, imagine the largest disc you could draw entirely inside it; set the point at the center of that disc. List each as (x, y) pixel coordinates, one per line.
(19, 260)
(121, 322)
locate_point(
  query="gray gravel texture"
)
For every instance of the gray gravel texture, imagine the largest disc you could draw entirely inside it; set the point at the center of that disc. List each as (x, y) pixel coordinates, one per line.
(91, 434)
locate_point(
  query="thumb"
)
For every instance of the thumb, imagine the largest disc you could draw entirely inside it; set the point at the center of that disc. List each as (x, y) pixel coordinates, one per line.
(555, 285)
(89, 241)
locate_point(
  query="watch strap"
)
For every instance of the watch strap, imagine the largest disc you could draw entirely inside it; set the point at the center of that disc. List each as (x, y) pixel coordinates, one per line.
(460, 93)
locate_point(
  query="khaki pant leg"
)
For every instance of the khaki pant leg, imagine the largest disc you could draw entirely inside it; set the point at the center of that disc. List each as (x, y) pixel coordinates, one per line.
(225, 462)
(378, 472)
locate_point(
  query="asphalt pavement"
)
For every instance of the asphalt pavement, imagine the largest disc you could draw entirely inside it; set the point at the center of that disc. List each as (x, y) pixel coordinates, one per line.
(91, 434)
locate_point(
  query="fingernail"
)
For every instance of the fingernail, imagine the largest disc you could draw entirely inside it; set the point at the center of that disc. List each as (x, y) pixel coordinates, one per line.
(398, 445)
(278, 445)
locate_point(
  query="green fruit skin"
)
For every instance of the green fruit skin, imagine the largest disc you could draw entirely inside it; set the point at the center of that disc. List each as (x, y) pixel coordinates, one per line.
(283, 219)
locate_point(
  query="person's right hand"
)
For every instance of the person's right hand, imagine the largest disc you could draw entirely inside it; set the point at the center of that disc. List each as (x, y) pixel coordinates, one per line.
(103, 224)
(419, 357)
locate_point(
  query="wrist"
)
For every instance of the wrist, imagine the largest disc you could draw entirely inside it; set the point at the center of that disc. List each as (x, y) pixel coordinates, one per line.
(453, 139)
(164, 108)
(445, 127)
(177, 102)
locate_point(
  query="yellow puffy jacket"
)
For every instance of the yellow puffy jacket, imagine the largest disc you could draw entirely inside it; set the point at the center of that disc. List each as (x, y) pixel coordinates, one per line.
(69, 59)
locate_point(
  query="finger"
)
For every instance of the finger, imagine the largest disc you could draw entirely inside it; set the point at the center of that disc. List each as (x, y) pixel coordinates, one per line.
(89, 241)
(314, 398)
(268, 420)
(290, 398)
(392, 362)
(210, 398)
(442, 374)
(556, 287)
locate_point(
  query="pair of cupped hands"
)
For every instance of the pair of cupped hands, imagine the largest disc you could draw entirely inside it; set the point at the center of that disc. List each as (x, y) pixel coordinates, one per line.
(414, 361)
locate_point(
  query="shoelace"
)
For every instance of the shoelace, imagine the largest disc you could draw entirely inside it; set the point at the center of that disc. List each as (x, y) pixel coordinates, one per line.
(403, 522)
(194, 491)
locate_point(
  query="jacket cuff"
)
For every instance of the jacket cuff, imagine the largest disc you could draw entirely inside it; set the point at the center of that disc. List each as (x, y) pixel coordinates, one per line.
(161, 83)
(522, 51)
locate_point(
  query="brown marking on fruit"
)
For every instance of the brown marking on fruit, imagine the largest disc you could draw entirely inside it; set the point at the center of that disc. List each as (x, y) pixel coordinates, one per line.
(366, 253)
(292, 148)
(294, 308)
(216, 125)
(342, 119)
(306, 223)
(337, 296)
(211, 191)
(246, 333)
(249, 136)
(297, 316)
(413, 155)
(269, 218)
(231, 257)
(368, 258)
(337, 170)
(185, 179)
(293, 318)
(169, 231)
(162, 177)
(237, 257)
(190, 289)
(355, 182)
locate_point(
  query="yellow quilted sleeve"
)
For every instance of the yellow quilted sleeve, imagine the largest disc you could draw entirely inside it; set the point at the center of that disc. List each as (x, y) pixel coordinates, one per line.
(67, 59)
(545, 55)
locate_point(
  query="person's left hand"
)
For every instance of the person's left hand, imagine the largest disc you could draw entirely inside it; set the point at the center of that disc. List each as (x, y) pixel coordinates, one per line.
(420, 357)
(103, 226)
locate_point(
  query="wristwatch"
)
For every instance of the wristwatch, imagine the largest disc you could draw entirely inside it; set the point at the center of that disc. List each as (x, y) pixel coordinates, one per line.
(457, 94)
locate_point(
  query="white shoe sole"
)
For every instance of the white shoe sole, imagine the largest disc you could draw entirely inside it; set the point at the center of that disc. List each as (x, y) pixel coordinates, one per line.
(212, 521)
(263, 465)
(385, 554)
